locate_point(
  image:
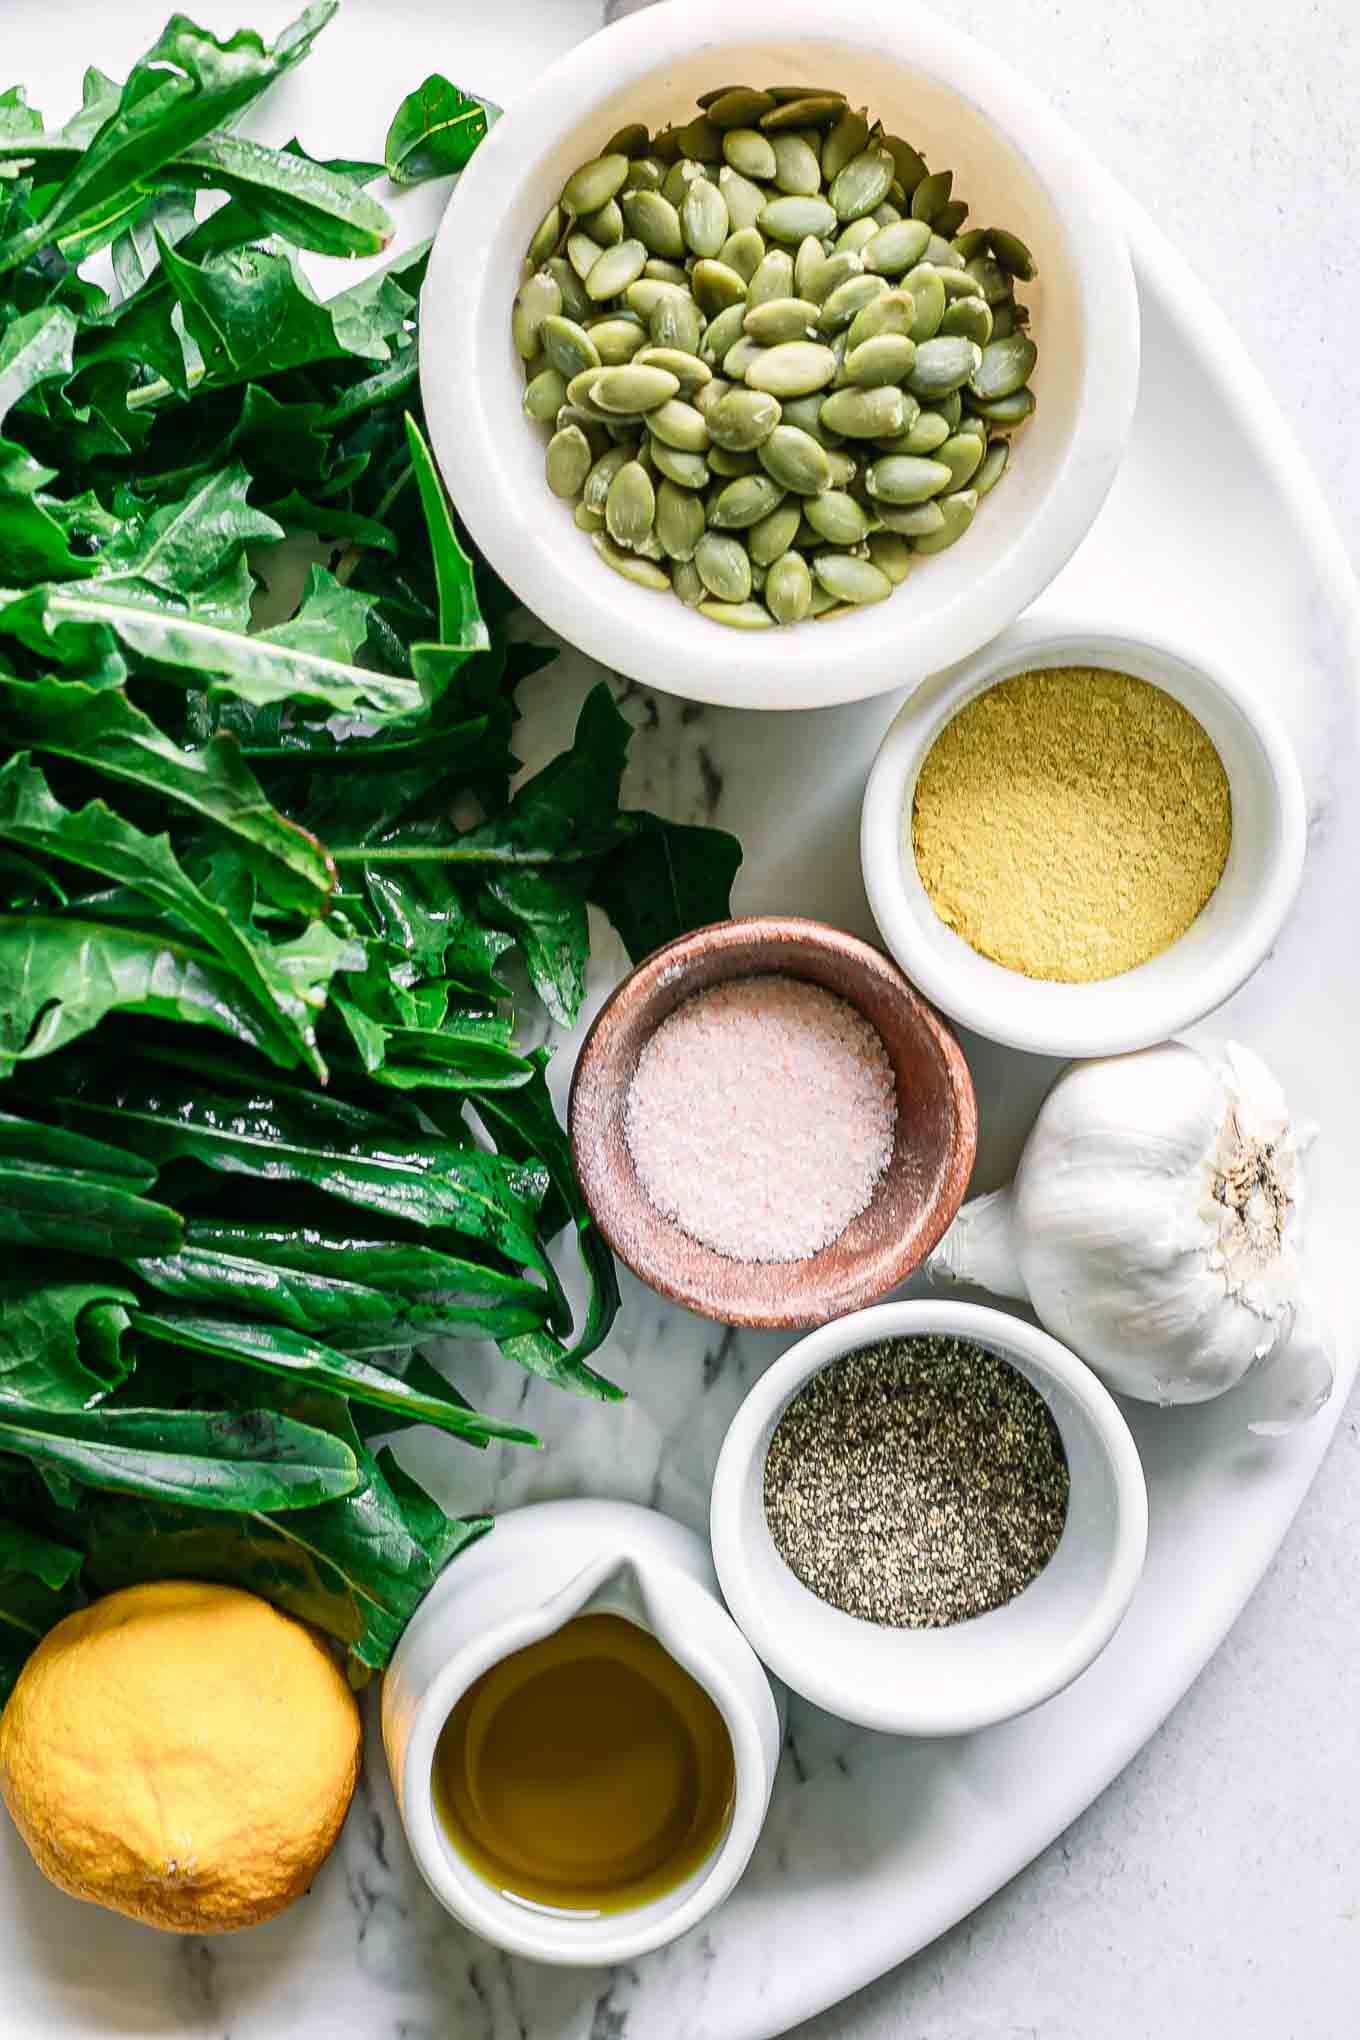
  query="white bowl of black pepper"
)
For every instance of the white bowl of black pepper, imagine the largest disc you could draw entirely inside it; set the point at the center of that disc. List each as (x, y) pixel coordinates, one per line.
(929, 1517)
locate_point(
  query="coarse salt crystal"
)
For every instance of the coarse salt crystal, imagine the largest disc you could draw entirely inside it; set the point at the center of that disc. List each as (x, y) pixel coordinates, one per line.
(760, 1117)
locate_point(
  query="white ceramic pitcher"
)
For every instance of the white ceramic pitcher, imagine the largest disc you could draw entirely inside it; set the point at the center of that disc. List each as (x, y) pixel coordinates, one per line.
(540, 1568)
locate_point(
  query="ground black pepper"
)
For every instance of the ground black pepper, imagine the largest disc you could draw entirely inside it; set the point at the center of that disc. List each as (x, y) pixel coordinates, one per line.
(916, 1483)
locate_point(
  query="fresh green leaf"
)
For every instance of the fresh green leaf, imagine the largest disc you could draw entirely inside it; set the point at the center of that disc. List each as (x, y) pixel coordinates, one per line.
(56, 1147)
(313, 205)
(667, 879)
(61, 1339)
(434, 132)
(34, 348)
(253, 313)
(253, 1459)
(74, 1210)
(189, 555)
(38, 1585)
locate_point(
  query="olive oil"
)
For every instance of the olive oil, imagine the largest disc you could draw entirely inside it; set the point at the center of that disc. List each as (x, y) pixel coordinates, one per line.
(588, 1772)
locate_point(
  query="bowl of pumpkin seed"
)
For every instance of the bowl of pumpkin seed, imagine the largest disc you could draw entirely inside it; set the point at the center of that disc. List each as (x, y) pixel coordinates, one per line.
(742, 320)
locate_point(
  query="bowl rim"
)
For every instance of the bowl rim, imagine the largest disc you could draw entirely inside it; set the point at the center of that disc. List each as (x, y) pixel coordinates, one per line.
(1019, 1012)
(774, 933)
(876, 652)
(816, 1674)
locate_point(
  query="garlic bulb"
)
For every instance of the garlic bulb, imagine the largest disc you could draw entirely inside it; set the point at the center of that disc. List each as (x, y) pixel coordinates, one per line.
(1153, 1225)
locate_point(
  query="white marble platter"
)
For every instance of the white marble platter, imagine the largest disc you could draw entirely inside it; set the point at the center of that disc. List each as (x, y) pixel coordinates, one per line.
(873, 1846)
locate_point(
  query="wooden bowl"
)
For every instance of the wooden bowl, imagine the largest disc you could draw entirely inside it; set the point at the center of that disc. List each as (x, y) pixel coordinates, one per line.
(915, 1199)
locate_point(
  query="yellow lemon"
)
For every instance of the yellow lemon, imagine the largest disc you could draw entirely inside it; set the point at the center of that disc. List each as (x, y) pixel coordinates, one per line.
(181, 1753)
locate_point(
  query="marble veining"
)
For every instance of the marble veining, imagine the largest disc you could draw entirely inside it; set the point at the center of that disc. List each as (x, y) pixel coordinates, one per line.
(369, 1952)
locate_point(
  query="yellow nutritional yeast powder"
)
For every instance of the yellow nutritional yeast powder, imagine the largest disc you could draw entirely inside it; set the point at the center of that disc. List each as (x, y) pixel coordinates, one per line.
(1071, 823)
(588, 1772)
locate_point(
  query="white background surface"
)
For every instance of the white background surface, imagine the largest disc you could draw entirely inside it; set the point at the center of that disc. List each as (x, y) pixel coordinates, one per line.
(1214, 1890)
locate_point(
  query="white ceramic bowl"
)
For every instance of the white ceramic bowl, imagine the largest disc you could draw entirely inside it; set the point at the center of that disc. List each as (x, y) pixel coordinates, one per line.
(971, 1674)
(1219, 950)
(1015, 162)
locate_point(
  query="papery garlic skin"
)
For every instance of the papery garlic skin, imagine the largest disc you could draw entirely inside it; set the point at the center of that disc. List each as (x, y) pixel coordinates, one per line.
(1153, 1221)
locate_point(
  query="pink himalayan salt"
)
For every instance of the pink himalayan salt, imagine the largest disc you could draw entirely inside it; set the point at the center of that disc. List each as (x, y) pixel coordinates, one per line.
(760, 1117)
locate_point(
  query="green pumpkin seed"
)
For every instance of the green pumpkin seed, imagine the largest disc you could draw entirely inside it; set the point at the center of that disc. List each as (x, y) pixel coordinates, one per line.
(632, 140)
(865, 414)
(703, 219)
(750, 153)
(744, 252)
(594, 184)
(583, 253)
(644, 572)
(605, 226)
(912, 520)
(686, 583)
(824, 604)
(895, 249)
(539, 297)
(645, 173)
(547, 234)
(679, 521)
(795, 460)
(615, 270)
(722, 333)
(809, 259)
(806, 414)
(850, 579)
(892, 311)
(995, 284)
(885, 358)
(677, 322)
(1011, 410)
(617, 340)
(691, 373)
(724, 566)
(711, 393)
(974, 242)
(927, 295)
(839, 309)
(942, 254)
(959, 284)
(739, 107)
(815, 109)
(704, 100)
(841, 468)
(678, 424)
(768, 540)
(794, 369)
(1004, 321)
(784, 94)
(567, 461)
(742, 419)
(788, 318)
(968, 318)
(545, 396)
(1012, 254)
(716, 286)
(596, 488)
(744, 501)
(864, 183)
(943, 365)
(633, 389)
(908, 164)
(568, 346)
(655, 222)
(796, 169)
(903, 478)
(589, 421)
(580, 386)
(957, 512)
(587, 520)
(743, 199)
(742, 357)
(845, 141)
(993, 466)
(723, 461)
(928, 432)
(962, 455)
(773, 279)
(950, 218)
(891, 555)
(630, 506)
(931, 196)
(700, 141)
(855, 238)
(837, 517)
(666, 145)
(677, 182)
(788, 588)
(659, 270)
(792, 219)
(686, 470)
(885, 215)
(1004, 367)
(951, 408)
(830, 272)
(738, 615)
(650, 291)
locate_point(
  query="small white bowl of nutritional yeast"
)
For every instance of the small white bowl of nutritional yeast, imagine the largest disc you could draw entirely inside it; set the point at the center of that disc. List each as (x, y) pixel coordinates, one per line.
(1221, 947)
